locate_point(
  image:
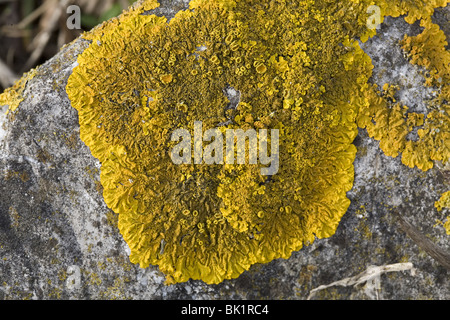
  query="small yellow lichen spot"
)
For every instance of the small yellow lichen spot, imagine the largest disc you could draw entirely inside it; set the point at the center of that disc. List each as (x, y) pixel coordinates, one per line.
(287, 79)
(167, 78)
(385, 122)
(443, 202)
(13, 96)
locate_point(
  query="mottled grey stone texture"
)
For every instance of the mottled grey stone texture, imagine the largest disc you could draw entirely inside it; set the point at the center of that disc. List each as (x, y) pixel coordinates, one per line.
(58, 240)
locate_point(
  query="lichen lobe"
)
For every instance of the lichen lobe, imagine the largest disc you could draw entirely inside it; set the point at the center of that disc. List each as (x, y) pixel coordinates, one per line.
(143, 77)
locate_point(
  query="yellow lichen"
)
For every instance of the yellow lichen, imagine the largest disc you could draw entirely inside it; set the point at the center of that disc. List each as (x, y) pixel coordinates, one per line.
(13, 96)
(389, 122)
(444, 203)
(142, 78)
(447, 226)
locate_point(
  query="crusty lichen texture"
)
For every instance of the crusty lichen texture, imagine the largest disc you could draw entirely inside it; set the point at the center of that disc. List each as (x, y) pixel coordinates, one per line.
(298, 68)
(444, 203)
(13, 96)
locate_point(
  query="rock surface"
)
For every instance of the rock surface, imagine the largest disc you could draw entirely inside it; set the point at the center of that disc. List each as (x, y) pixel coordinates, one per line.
(58, 240)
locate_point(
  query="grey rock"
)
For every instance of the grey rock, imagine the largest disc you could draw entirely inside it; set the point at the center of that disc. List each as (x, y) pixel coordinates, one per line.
(58, 239)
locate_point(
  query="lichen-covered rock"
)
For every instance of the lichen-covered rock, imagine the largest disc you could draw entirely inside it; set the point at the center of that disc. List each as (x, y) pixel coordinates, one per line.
(135, 85)
(65, 204)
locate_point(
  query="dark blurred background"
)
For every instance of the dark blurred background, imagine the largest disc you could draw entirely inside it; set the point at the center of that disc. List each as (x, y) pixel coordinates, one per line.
(33, 31)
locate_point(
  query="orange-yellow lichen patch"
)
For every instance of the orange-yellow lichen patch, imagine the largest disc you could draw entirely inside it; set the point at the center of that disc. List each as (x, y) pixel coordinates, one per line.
(447, 226)
(297, 67)
(13, 96)
(443, 202)
(166, 79)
